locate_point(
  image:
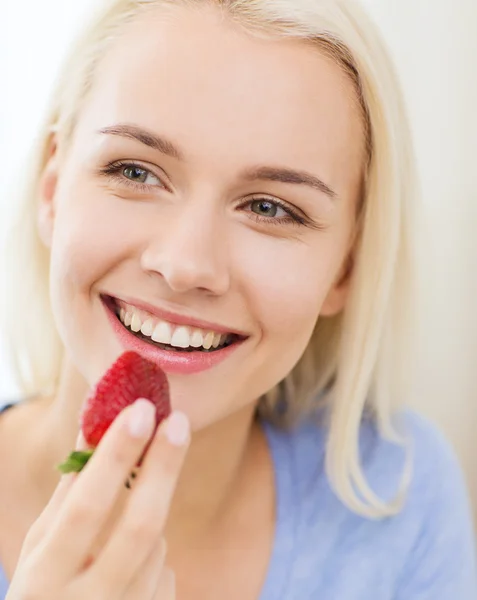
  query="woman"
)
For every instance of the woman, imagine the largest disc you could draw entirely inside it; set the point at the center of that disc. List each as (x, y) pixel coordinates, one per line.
(226, 187)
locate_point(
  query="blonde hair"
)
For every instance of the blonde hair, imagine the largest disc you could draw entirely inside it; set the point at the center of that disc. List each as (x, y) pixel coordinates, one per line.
(355, 360)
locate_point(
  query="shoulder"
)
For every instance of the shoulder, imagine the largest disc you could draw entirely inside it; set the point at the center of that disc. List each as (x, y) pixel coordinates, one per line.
(441, 561)
(436, 472)
(420, 447)
(420, 455)
(428, 542)
(421, 451)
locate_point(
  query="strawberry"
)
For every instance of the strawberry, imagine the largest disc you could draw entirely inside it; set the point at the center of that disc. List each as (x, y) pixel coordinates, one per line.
(129, 378)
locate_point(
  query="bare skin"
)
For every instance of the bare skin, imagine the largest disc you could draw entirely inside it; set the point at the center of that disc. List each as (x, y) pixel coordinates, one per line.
(199, 246)
(203, 538)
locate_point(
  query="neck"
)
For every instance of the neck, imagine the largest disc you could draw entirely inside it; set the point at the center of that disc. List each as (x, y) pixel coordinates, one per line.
(212, 476)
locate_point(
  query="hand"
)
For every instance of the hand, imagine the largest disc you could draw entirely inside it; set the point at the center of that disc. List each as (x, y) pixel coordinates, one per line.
(60, 559)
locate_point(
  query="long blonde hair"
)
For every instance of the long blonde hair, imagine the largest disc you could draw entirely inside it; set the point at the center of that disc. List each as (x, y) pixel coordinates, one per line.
(356, 360)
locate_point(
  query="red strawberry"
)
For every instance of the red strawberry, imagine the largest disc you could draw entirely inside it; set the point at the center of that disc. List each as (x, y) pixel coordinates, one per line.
(129, 378)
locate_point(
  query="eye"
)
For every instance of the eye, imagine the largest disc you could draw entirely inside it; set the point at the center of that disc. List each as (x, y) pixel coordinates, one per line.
(139, 175)
(267, 208)
(274, 212)
(133, 175)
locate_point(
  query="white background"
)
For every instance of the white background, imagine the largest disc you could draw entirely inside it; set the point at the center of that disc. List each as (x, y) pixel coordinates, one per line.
(435, 46)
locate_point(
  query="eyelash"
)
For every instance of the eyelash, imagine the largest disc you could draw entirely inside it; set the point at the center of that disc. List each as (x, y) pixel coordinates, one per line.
(114, 170)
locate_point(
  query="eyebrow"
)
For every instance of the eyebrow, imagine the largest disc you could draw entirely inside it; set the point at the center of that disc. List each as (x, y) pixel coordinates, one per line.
(285, 175)
(263, 173)
(145, 137)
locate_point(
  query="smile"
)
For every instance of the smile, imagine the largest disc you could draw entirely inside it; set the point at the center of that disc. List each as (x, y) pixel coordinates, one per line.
(170, 336)
(177, 347)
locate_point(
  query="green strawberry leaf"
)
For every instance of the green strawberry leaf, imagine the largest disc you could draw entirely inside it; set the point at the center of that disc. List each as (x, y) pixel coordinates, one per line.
(75, 462)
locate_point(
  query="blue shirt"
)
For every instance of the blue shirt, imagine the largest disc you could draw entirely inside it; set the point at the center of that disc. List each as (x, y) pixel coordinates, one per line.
(323, 551)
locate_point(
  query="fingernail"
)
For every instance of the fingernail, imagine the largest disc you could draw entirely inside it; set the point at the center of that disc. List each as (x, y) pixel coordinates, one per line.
(141, 418)
(177, 429)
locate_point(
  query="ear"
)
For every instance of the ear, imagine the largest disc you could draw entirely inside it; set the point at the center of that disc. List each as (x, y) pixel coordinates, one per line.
(47, 191)
(335, 301)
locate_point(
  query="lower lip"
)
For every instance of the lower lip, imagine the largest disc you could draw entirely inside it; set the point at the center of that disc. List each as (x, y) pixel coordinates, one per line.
(184, 363)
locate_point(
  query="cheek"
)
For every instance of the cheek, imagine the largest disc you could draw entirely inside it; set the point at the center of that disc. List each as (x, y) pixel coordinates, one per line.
(92, 234)
(92, 237)
(289, 283)
(287, 288)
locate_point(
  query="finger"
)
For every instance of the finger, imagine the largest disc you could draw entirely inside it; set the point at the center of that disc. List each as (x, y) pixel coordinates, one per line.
(44, 522)
(144, 517)
(166, 590)
(146, 583)
(96, 489)
(50, 512)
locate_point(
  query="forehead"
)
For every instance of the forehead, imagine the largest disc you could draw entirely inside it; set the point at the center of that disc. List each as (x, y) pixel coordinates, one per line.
(219, 91)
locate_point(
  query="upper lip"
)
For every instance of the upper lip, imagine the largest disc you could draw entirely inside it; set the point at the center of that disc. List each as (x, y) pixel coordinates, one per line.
(179, 319)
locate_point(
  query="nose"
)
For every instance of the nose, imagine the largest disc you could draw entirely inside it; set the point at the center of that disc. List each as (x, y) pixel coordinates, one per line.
(188, 252)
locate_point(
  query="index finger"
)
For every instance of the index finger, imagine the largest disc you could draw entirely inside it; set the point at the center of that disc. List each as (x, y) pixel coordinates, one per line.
(145, 515)
(96, 489)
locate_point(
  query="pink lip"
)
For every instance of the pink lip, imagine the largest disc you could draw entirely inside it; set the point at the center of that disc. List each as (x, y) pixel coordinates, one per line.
(177, 319)
(184, 363)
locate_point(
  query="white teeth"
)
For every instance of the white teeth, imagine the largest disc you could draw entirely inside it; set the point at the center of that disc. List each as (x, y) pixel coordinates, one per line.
(136, 323)
(147, 327)
(197, 339)
(165, 333)
(208, 340)
(162, 333)
(181, 337)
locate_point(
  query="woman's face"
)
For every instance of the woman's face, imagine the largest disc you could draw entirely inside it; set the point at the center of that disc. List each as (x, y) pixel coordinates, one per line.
(210, 188)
